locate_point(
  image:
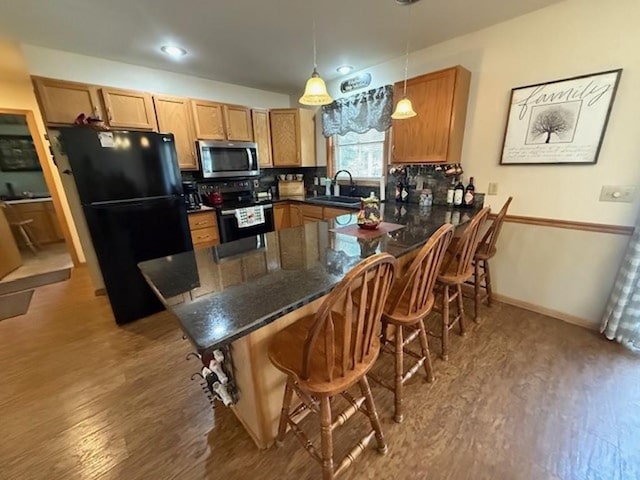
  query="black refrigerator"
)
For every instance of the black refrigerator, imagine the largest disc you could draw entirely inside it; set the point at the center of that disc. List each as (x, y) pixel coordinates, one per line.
(130, 189)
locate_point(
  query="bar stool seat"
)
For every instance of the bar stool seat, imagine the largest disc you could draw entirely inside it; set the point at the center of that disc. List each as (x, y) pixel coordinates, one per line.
(327, 353)
(286, 357)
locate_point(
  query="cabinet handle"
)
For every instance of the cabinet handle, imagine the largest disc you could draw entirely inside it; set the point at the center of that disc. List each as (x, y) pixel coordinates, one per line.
(202, 237)
(95, 112)
(109, 114)
(201, 223)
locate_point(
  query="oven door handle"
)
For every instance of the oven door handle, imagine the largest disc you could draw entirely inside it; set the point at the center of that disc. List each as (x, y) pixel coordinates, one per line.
(233, 212)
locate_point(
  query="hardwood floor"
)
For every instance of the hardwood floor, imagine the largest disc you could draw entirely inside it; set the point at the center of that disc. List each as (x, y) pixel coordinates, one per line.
(522, 397)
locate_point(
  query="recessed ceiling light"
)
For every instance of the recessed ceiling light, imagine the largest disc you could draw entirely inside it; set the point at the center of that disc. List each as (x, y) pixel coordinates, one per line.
(344, 69)
(173, 51)
(406, 2)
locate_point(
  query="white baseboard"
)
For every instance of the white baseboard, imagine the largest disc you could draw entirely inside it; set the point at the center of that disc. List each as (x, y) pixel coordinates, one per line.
(565, 317)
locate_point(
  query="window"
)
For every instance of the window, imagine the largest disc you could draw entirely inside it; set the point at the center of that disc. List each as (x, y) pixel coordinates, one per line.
(363, 154)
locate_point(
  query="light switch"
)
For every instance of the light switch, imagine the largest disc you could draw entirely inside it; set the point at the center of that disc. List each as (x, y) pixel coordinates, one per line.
(493, 189)
(618, 193)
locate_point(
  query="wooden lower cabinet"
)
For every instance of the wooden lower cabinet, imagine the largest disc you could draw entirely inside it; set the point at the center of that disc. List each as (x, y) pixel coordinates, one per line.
(281, 216)
(204, 229)
(296, 214)
(332, 212)
(44, 223)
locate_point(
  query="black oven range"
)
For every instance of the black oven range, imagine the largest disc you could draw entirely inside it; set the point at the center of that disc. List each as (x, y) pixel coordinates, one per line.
(237, 196)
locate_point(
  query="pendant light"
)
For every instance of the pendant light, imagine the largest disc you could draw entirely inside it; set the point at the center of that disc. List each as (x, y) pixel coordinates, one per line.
(315, 91)
(404, 109)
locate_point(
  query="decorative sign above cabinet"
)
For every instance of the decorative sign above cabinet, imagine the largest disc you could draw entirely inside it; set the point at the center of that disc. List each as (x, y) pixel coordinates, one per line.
(355, 83)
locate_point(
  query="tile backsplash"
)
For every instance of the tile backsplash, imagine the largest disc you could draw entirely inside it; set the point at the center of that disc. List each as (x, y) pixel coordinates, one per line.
(431, 176)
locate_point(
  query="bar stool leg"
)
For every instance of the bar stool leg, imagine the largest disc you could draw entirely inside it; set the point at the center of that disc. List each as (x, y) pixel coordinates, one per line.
(326, 438)
(487, 281)
(284, 414)
(373, 414)
(476, 288)
(27, 239)
(445, 323)
(424, 343)
(460, 309)
(398, 416)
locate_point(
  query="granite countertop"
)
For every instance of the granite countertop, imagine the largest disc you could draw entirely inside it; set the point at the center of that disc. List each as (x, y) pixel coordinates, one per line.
(28, 200)
(203, 208)
(222, 293)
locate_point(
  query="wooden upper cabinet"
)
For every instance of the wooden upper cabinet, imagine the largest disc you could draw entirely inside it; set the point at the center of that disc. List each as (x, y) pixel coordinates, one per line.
(61, 102)
(262, 136)
(128, 109)
(435, 134)
(208, 120)
(237, 120)
(174, 116)
(293, 137)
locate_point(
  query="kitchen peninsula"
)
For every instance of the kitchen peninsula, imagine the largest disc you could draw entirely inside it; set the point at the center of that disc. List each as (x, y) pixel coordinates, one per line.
(243, 292)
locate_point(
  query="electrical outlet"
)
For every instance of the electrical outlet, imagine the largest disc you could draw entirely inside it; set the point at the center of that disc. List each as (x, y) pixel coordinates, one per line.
(618, 193)
(493, 189)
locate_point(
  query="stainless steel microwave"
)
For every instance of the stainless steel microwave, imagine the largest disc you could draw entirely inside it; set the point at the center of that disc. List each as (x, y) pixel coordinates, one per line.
(220, 159)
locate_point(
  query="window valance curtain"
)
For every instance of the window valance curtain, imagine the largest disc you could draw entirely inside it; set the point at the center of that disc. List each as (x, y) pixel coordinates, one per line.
(359, 113)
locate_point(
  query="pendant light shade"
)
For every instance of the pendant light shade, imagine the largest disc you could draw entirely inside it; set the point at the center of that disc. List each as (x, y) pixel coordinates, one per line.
(403, 110)
(315, 92)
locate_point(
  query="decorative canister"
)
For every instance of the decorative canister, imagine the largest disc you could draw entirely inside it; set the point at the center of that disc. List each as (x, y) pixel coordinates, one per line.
(369, 214)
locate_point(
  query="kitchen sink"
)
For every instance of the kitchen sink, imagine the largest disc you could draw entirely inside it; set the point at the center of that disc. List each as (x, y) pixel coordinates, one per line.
(334, 199)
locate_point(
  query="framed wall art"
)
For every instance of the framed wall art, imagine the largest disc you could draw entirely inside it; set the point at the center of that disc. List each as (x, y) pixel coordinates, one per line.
(18, 154)
(560, 122)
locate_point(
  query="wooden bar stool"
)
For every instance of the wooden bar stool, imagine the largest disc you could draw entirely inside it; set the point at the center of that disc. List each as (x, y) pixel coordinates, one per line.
(22, 225)
(326, 353)
(410, 301)
(485, 251)
(456, 269)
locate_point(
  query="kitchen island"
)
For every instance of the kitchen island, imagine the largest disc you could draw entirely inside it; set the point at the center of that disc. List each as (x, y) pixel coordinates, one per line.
(243, 292)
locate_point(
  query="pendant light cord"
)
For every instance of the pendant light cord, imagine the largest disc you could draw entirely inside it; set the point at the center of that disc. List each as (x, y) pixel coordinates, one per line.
(315, 61)
(406, 60)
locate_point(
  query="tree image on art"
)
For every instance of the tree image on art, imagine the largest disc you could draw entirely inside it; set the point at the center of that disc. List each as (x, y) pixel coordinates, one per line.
(555, 120)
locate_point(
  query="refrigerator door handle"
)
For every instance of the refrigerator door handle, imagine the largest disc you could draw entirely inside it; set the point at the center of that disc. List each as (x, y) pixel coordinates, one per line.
(114, 206)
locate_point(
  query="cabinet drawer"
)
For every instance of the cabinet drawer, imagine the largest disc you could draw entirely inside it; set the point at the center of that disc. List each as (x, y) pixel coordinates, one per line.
(202, 220)
(311, 211)
(204, 237)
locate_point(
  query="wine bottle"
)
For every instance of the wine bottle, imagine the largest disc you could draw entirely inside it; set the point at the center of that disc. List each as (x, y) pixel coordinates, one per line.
(458, 194)
(469, 194)
(398, 191)
(450, 191)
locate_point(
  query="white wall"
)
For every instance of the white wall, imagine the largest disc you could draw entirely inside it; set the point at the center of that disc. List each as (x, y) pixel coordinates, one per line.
(567, 39)
(81, 68)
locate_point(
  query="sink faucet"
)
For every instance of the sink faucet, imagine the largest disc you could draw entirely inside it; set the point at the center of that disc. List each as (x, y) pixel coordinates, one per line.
(352, 185)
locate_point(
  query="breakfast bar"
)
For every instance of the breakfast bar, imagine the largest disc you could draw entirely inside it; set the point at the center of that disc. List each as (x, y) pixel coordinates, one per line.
(241, 293)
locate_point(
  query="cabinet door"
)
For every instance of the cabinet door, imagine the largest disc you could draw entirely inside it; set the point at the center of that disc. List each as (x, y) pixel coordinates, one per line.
(282, 218)
(262, 136)
(129, 109)
(54, 222)
(174, 116)
(425, 137)
(285, 137)
(238, 122)
(62, 102)
(295, 216)
(311, 211)
(208, 120)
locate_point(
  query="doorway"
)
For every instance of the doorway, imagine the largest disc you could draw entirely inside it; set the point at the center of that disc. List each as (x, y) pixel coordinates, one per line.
(33, 245)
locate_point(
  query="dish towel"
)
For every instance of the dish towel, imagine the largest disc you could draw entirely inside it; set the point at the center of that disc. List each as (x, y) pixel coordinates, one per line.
(250, 216)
